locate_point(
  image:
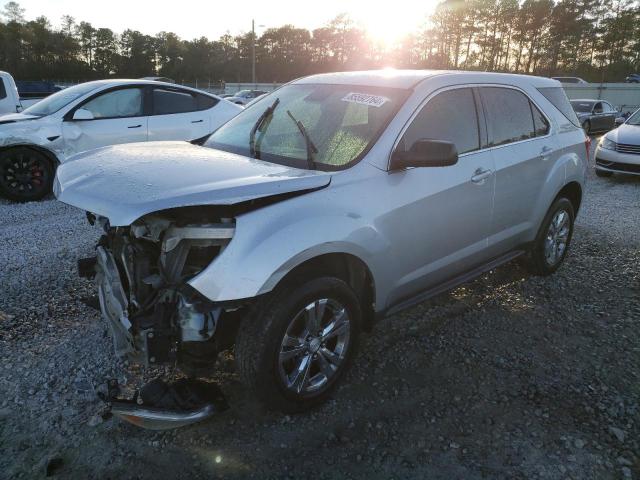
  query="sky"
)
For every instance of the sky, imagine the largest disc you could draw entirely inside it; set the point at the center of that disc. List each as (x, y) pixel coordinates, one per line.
(195, 18)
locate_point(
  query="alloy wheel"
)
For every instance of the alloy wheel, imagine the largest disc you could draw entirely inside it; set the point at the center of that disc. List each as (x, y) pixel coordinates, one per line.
(557, 237)
(314, 346)
(23, 174)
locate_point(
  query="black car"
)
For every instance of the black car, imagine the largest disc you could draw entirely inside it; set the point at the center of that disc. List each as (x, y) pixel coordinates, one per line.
(595, 115)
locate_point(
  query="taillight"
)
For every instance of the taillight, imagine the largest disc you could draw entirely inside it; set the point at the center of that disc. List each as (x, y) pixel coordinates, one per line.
(587, 144)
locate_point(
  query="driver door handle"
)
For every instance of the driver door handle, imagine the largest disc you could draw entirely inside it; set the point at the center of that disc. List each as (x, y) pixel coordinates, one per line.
(196, 121)
(481, 174)
(134, 126)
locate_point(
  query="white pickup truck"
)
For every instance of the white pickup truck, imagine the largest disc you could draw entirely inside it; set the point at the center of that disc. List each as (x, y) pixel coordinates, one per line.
(10, 101)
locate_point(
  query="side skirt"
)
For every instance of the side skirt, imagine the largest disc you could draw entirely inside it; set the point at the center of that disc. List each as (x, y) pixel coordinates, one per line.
(449, 284)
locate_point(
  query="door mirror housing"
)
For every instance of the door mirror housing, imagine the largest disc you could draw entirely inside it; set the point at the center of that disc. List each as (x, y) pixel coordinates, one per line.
(82, 114)
(425, 153)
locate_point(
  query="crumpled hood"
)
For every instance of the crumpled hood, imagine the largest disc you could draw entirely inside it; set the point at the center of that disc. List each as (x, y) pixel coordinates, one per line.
(16, 117)
(125, 182)
(629, 134)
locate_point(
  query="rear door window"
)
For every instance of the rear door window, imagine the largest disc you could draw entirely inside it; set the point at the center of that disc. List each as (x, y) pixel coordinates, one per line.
(167, 101)
(509, 115)
(449, 116)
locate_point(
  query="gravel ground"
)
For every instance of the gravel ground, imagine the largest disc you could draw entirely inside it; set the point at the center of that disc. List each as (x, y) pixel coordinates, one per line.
(510, 376)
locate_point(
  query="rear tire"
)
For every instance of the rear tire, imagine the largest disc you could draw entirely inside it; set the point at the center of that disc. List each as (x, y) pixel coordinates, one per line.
(554, 237)
(603, 173)
(26, 175)
(287, 351)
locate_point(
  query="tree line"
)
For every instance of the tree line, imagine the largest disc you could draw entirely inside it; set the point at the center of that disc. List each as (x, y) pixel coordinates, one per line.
(598, 40)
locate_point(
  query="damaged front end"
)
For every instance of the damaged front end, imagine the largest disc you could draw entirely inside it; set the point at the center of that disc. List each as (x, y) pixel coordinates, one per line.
(142, 272)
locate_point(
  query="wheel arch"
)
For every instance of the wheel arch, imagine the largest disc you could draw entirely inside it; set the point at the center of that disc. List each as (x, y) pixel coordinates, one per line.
(573, 192)
(50, 155)
(345, 266)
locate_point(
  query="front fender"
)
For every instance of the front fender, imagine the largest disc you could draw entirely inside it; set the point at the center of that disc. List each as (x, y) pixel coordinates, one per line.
(271, 242)
(44, 135)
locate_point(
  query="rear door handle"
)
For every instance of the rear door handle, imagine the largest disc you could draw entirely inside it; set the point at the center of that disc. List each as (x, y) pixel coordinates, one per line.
(134, 126)
(481, 174)
(196, 121)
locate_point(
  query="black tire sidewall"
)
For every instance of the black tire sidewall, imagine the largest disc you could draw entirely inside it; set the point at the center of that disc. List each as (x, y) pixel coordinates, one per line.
(540, 265)
(272, 322)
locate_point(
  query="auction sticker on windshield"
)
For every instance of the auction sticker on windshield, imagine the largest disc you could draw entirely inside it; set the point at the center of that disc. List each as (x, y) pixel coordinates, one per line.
(365, 99)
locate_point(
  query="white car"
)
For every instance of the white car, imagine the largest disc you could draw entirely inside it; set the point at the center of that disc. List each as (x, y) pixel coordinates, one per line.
(619, 150)
(577, 80)
(97, 114)
(244, 97)
(10, 101)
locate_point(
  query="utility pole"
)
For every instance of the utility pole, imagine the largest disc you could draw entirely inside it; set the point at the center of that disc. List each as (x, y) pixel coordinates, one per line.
(253, 51)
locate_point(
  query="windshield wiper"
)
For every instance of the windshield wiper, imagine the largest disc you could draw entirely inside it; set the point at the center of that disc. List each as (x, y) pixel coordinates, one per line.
(255, 152)
(311, 148)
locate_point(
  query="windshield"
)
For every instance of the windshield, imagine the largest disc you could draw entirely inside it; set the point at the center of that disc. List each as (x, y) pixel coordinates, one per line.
(634, 119)
(582, 107)
(60, 99)
(340, 121)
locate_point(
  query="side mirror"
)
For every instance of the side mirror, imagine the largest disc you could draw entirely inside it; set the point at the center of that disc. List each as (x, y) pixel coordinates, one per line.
(425, 153)
(619, 121)
(82, 114)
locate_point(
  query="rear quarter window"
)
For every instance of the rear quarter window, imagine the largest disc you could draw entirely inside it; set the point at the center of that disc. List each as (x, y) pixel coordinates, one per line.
(3, 90)
(205, 102)
(559, 99)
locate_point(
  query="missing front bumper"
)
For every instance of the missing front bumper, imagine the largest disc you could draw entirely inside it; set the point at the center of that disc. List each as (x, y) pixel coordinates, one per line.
(161, 406)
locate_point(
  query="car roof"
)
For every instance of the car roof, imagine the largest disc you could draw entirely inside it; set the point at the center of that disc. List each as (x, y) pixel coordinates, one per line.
(116, 82)
(407, 79)
(585, 100)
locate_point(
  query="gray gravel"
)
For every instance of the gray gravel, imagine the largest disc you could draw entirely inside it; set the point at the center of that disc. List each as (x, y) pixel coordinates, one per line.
(510, 376)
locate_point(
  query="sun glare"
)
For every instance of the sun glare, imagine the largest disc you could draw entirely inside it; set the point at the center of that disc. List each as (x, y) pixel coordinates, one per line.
(390, 25)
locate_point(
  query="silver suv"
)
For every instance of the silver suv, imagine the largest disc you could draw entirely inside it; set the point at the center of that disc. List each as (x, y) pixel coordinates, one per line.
(330, 203)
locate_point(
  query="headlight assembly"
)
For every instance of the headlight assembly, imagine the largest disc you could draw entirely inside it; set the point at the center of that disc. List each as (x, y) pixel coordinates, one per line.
(607, 144)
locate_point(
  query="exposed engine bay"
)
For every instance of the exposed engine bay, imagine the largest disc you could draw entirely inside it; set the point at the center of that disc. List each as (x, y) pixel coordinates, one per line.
(141, 272)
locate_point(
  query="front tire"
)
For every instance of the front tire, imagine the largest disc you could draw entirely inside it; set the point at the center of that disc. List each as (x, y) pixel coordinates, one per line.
(554, 237)
(296, 344)
(586, 126)
(26, 175)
